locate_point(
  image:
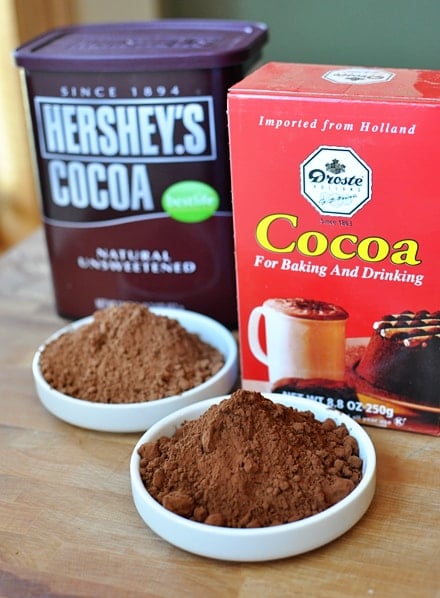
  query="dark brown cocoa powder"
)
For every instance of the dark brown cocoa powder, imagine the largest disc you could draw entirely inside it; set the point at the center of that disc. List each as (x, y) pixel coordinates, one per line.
(128, 354)
(249, 462)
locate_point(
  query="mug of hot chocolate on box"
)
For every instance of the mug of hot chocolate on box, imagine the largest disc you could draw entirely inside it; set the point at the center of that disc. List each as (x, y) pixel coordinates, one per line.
(304, 338)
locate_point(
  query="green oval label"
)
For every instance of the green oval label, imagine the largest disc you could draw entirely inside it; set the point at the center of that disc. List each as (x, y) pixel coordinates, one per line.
(190, 201)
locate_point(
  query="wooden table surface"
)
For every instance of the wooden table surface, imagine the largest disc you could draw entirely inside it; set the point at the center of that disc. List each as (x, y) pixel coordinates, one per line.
(68, 526)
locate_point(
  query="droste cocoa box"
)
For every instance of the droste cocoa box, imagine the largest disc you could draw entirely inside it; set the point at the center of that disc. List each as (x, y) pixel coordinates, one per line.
(336, 204)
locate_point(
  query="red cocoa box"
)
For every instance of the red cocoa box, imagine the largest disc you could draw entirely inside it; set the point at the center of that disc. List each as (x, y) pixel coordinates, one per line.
(336, 205)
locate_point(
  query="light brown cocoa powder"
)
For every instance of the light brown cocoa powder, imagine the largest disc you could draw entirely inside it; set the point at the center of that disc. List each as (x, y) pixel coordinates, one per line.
(128, 354)
(249, 462)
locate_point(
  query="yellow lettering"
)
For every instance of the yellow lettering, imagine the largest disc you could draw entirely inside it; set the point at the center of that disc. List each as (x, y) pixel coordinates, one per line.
(318, 240)
(337, 250)
(408, 255)
(373, 249)
(262, 232)
(342, 247)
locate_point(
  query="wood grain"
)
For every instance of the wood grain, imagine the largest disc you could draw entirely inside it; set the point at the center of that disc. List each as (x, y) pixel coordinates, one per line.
(68, 526)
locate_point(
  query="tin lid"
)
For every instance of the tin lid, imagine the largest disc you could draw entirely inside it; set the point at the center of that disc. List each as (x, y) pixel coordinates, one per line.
(154, 45)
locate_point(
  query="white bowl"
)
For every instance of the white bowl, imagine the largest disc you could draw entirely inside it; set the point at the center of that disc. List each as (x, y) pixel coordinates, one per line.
(257, 544)
(137, 417)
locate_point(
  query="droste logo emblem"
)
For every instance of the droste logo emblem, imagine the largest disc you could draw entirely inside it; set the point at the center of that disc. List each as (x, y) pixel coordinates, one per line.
(336, 181)
(358, 76)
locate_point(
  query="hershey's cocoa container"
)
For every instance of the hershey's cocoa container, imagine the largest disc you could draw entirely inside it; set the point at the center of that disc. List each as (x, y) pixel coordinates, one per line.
(130, 130)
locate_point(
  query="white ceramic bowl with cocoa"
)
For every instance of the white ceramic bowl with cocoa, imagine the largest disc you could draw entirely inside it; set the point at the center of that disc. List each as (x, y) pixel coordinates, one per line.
(264, 543)
(138, 417)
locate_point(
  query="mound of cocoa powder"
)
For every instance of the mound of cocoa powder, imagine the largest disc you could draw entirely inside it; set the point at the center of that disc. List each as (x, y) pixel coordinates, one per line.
(128, 354)
(249, 462)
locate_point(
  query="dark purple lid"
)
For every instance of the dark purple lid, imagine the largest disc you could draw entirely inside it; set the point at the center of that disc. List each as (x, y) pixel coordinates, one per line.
(152, 45)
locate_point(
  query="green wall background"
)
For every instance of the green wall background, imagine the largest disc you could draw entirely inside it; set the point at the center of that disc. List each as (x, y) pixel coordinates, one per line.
(387, 33)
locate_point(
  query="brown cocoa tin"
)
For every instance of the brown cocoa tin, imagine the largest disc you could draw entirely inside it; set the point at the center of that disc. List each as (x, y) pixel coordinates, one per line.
(130, 132)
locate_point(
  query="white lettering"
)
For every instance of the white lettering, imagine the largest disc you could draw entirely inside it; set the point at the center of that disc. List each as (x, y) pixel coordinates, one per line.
(386, 128)
(125, 130)
(99, 186)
